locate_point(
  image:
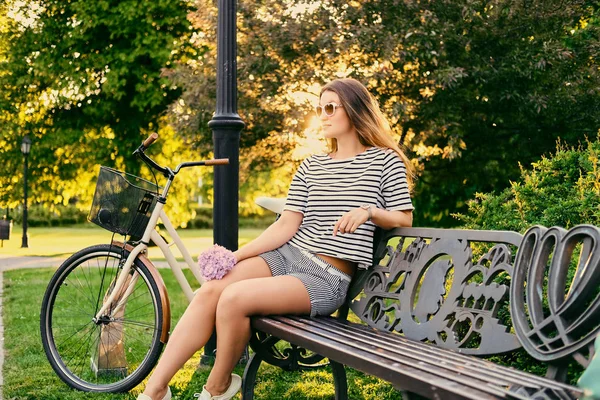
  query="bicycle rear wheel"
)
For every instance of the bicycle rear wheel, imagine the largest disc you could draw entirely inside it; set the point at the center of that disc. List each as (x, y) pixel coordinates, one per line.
(108, 354)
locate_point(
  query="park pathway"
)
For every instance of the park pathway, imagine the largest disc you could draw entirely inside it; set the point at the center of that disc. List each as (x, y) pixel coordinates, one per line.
(10, 263)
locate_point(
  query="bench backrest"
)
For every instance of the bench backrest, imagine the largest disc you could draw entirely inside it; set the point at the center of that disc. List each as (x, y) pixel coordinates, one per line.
(471, 291)
(429, 288)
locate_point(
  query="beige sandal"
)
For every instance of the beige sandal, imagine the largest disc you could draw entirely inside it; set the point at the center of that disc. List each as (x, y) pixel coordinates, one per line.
(146, 397)
(234, 387)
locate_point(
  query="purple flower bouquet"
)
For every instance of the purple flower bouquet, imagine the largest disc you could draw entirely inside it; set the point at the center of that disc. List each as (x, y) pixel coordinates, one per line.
(216, 262)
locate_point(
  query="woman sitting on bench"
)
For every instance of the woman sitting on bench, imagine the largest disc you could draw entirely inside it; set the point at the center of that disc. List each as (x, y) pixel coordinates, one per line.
(302, 263)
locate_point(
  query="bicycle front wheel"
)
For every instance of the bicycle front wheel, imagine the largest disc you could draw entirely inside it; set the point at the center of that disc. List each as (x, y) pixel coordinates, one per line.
(112, 353)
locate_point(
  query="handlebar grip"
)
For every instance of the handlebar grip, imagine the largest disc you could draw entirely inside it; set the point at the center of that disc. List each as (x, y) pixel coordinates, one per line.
(151, 139)
(218, 161)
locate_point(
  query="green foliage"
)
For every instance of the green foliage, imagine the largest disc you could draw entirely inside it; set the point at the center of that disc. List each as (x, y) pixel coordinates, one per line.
(83, 79)
(472, 88)
(59, 215)
(511, 78)
(170, 151)
(203, 219)
(561, 190)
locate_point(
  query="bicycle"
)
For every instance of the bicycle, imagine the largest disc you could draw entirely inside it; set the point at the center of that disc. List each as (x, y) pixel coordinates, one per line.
(105, 314)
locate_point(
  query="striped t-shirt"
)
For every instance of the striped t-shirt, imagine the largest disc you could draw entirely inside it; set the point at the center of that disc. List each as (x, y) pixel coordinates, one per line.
(323, 189)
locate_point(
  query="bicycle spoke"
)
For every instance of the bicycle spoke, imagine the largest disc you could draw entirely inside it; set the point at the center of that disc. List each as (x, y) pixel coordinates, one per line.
(74, 333)
(135, 316)
(80, 346)
(129, 298)
(80, 290)
(88, 295)
(137, 323)
(71, 352)
(107, 354)
(89, 279)
(86, 277)
(64, 340)
(103, 346)
(140, 307)
(84, 359)
(101, 286)
(71, 310)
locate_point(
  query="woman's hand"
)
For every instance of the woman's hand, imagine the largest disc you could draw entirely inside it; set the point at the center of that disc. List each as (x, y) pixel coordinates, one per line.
(351, 221)
(382, 218)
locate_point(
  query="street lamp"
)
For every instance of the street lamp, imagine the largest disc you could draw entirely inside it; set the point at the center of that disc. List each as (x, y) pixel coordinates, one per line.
(226, 126)
(25, 147)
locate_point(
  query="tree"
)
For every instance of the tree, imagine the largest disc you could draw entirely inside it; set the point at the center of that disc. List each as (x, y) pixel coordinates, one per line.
(521, 75)
(84, 80)
(472, 87)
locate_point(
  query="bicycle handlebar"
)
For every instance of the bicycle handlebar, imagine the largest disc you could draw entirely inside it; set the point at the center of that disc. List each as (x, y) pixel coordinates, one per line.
(218, 161)
(151, 139)
(167, 172)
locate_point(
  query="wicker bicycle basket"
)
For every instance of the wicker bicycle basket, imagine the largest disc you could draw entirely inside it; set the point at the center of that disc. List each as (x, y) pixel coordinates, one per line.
(123, 202)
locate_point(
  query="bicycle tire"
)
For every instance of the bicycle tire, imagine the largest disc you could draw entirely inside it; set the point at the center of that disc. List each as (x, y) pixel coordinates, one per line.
(122, 351)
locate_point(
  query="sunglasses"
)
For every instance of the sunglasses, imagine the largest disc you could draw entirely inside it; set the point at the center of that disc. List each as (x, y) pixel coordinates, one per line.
(328, 108)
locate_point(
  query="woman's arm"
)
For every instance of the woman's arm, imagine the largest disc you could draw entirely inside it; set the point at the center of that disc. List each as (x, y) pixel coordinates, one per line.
(390, 219)
(276, 235)
(383, 218)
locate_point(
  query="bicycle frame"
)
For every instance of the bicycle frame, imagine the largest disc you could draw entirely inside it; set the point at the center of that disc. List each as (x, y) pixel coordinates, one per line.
(151, 234)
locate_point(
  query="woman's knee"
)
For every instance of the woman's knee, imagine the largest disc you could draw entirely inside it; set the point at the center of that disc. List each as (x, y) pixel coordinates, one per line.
(231, 303)
(209, 290)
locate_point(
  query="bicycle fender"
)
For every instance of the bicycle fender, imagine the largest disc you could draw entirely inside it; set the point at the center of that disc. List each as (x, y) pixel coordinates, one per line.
(162, 289)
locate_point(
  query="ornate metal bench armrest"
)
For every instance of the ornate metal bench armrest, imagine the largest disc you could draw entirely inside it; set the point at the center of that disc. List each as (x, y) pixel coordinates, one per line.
(555, 298)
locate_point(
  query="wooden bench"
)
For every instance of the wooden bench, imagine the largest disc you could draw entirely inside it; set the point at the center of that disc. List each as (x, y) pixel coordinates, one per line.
(438, 300)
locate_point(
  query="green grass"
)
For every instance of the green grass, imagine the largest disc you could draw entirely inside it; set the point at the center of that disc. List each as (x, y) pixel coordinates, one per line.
(28, 375)
(61, 241)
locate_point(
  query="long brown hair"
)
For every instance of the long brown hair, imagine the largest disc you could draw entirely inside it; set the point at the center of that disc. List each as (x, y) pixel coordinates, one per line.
(372, 127)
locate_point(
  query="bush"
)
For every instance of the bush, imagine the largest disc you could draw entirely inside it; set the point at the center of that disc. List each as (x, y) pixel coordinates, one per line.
(562, 190)
(40, 215)
(203, 219)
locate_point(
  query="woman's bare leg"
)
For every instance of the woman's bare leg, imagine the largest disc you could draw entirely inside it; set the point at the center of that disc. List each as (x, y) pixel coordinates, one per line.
(239, 301)
(197, 324)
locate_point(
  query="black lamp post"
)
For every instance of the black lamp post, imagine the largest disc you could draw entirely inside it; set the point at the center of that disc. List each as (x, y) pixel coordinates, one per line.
(226, 125)
(25, 147)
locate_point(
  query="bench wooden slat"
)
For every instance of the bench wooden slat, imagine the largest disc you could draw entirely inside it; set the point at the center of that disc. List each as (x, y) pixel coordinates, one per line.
(402, 354)
(421, 353)
(422, 379)
(384, 340)
(431, 353)
(486, 372)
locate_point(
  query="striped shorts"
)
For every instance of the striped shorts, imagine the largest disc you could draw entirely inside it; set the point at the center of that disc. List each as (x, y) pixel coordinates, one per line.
(327, 286)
